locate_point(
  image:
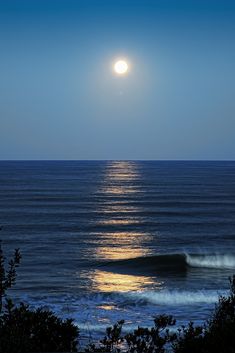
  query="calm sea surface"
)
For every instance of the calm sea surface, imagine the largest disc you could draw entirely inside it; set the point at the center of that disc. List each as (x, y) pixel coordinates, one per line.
(110, 240)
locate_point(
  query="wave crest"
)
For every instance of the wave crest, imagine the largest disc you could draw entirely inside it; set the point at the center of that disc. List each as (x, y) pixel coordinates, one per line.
(173, 263)
(176, 297)
(225, 261)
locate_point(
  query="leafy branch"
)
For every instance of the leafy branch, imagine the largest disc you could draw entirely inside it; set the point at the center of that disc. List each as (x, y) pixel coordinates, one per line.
(7, 275)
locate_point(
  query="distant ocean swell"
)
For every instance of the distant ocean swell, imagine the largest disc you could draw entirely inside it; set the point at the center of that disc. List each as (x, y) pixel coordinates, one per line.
(176, 262)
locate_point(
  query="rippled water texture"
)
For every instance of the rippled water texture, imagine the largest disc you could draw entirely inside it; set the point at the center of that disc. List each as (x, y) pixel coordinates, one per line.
(110, 240)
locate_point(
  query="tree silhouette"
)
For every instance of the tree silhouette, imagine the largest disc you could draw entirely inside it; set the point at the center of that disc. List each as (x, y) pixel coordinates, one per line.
(7, 275)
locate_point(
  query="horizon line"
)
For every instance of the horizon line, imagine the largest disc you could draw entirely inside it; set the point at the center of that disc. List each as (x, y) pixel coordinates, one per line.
(110, 159)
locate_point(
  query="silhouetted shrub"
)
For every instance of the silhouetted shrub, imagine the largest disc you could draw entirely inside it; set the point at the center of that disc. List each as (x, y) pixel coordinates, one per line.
(23, 330)
(220, 333)
(111, 342)
(7, 276)
(142, 340)
(217, 335)
(190, 339)
(152, 340)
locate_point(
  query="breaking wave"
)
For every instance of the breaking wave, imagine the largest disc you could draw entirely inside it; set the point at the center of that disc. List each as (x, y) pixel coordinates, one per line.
(174, 262)
(129, 299)
(176, 297)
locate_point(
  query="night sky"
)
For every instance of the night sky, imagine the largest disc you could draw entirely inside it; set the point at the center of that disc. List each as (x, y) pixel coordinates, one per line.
(60, 99)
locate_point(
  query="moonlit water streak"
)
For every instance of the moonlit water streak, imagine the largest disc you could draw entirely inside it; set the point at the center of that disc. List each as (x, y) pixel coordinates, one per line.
(104, 241)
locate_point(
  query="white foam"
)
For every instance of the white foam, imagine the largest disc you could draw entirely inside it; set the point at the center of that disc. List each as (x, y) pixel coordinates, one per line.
(177, 297)
(211, 261)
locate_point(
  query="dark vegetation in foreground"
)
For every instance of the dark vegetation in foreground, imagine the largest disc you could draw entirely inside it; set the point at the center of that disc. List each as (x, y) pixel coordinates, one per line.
(24, 330)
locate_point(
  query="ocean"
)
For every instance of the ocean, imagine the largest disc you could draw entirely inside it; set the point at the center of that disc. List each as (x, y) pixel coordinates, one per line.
(108, 240)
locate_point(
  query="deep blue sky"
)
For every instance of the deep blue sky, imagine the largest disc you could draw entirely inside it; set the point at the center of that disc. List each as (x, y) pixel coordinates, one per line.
(60, 100)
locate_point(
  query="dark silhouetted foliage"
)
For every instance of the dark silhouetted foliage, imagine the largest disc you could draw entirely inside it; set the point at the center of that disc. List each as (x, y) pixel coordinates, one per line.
(153, 340)
(217, 335)
(7, 276)
(24, 330)
(111, 342)
(141, 340)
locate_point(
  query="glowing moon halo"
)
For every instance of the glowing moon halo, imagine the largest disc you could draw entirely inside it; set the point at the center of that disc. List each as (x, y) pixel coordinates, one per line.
(121, 67)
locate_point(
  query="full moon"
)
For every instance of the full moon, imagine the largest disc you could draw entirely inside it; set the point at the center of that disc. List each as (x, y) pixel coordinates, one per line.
(121, 67)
